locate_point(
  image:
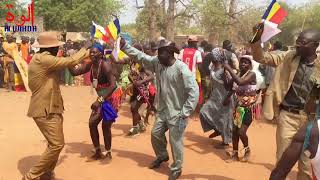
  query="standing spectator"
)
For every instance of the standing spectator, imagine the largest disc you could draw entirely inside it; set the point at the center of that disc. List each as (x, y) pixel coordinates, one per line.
(231, 56)
(68, 78)
(1, 63)
(32, 49)
(9, 64)
(24, 47)
(192, 57)
(295, 78)
(202, 46)
(205, 72)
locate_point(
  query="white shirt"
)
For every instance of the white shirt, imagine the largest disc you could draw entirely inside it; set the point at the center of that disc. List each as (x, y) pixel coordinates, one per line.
(197, 59)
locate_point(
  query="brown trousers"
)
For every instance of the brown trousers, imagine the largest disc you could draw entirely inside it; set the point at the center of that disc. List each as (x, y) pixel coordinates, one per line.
(51, 127)
(288, 126)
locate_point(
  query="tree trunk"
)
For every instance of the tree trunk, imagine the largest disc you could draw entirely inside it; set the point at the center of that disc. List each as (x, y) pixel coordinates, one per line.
(153, 19)
(232, 10)
(170, 20)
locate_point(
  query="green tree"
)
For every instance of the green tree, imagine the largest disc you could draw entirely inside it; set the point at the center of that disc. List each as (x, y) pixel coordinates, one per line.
(16, 10)
(76, 15)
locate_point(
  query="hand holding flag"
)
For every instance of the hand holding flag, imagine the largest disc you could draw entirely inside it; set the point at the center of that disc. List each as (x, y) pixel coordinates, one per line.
(271, 19)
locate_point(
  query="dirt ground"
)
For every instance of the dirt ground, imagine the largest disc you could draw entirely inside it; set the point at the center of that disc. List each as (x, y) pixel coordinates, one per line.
(21, 143)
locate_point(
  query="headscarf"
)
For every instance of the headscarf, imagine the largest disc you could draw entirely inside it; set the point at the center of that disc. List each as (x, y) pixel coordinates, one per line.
(248, 57)
(99, 46)
(218, 55)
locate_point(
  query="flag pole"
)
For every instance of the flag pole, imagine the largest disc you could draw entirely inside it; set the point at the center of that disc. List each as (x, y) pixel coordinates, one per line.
(305, 16)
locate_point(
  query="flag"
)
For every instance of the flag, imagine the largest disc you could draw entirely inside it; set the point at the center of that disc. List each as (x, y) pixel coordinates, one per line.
(270, 30)
(272, 18)
(275, 13)
(99, 32)
(113, 29)
(108, 34)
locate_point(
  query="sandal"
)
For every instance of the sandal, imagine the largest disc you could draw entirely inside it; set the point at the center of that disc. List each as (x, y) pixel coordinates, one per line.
(246, 155)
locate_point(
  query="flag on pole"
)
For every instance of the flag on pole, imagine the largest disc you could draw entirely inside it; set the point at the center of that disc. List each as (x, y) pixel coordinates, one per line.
(272, 18)
(113, 29)
(275, 13)
(108, 34)
(99, 32)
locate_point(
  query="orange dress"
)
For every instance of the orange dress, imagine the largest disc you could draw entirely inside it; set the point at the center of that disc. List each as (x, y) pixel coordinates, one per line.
(24, 51)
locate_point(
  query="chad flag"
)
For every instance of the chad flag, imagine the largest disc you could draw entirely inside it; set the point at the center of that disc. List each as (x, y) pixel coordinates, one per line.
(275, 13)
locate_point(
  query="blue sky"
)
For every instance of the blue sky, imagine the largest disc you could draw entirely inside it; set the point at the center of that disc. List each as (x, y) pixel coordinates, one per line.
(130, 13)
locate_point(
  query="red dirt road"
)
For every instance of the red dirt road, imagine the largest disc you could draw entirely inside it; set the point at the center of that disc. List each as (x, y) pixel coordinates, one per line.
(21, 143)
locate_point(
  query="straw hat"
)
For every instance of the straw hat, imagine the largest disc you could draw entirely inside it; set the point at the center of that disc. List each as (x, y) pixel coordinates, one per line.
(47, 40)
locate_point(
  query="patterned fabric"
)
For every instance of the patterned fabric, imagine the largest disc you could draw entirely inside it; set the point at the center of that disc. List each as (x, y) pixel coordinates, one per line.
(142, 92)
(246, 100)
(218, 54)
(115, 98)
(239, 114)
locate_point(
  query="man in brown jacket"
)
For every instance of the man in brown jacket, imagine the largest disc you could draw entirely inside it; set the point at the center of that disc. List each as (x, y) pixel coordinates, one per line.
(46, 105)
(296, 78)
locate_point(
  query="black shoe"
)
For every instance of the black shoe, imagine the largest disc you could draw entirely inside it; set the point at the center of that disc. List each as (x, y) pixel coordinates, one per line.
(156, 163)
(175, 175)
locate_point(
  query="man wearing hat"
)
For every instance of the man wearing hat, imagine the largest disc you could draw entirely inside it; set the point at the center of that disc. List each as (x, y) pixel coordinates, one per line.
(46, 105)
(178, 96)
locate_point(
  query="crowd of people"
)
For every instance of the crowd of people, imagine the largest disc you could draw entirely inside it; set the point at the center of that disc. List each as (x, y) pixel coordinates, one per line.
(10, 78)
(227, 88)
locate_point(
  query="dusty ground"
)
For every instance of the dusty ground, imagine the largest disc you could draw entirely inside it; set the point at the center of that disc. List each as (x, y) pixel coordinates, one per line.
(21, 144)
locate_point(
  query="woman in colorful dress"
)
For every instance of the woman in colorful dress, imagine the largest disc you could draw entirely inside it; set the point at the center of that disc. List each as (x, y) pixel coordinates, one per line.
(105, 108)
(245, 90)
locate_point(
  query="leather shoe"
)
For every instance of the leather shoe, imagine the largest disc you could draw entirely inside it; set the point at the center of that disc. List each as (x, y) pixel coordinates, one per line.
(175, 175)
(156, 163)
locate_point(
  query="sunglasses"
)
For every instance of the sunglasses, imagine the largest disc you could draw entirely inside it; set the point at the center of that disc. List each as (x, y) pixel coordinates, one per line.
(304, 43)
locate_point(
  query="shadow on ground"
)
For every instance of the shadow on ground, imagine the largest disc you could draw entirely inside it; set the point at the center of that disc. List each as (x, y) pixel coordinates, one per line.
(200, 176)
(26, 163)
(203, 145)
(142, 160)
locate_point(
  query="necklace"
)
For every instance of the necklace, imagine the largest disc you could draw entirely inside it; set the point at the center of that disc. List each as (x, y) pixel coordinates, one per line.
(95, 79)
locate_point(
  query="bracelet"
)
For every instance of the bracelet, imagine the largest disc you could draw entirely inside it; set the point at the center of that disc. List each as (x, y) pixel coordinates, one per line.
(100, 99)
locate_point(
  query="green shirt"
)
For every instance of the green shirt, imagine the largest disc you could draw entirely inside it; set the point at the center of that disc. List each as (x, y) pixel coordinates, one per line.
(177, 89)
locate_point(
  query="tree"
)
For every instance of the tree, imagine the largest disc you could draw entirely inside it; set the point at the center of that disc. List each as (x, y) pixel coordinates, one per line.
(76, 15)
(16, 10)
